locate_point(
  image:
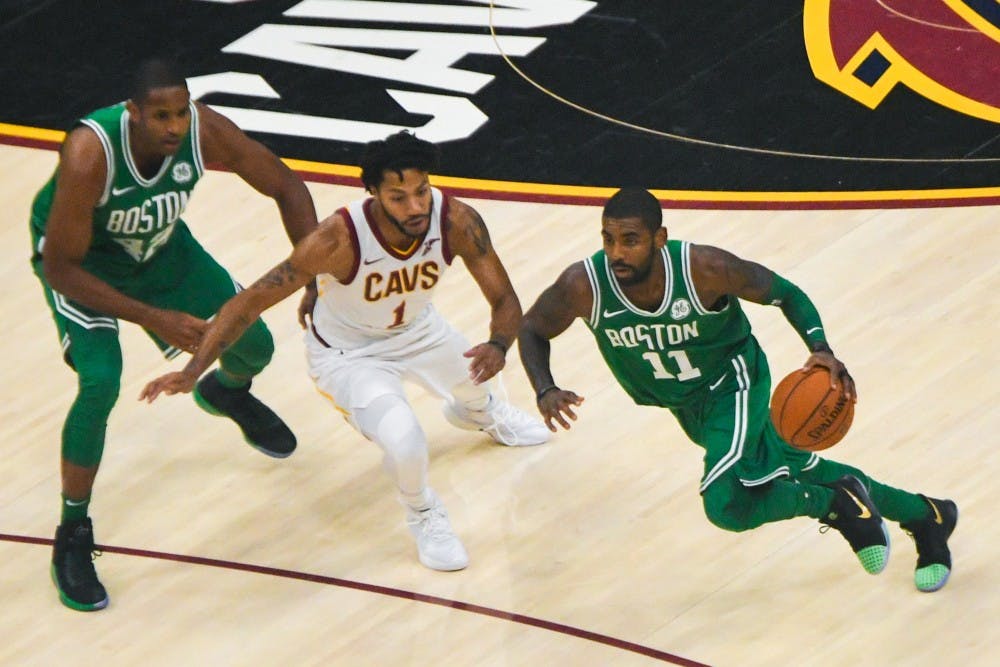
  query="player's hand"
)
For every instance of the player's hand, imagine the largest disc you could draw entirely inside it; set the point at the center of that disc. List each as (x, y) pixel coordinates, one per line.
(307, 304)
(181, 330)
(487, 360)
(171, 383)
(840, 379)
(557, 404)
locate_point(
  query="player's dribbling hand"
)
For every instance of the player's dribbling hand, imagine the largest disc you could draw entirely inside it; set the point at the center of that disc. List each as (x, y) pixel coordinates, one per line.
(840, 379)
(487, 361)
(177, 382)
(558, 404)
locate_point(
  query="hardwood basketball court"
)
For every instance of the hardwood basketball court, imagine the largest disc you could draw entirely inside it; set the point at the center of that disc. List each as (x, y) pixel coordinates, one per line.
(591, 549)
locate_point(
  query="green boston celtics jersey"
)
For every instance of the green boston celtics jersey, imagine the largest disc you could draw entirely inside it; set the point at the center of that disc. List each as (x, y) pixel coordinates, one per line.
(668, 356)
(135, 217)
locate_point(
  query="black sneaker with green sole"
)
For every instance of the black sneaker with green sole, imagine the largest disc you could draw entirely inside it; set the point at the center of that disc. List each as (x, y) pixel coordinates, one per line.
(262, 429)
(73, 567)
(931, 537)
(853, 513)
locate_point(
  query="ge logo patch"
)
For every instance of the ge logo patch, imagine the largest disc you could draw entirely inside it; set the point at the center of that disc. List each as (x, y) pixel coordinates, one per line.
(182, 172)
(680, 309)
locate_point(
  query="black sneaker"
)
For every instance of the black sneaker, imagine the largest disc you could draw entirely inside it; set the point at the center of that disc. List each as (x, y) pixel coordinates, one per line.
(73, 567)
(931, 537)
(854, 514)
(263, 429)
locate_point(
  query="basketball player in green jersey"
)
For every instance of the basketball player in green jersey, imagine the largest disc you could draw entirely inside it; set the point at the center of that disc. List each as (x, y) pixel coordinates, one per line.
(109, 244)
(667, 319)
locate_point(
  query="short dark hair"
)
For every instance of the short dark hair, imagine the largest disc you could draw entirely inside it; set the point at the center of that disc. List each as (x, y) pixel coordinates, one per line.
(155, 73)
(395, 153)
(633, 202)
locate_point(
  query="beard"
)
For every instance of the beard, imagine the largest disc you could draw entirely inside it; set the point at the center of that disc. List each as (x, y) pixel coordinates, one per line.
(634, 275)
(401, 224)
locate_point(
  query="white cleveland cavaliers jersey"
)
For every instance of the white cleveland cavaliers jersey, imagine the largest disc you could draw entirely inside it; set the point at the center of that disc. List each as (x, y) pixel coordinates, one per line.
(388, 289)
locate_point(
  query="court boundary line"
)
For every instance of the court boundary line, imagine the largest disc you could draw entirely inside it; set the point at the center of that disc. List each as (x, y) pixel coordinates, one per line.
(513, 617)
(337, 174)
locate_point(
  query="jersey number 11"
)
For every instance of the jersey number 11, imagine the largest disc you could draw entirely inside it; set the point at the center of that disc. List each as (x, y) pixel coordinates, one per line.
(685, 371)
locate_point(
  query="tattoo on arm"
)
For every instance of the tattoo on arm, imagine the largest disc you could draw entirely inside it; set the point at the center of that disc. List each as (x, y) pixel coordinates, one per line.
(280, 275)
(756, 282)
(478, 233)
(741, 278)
(242, 323)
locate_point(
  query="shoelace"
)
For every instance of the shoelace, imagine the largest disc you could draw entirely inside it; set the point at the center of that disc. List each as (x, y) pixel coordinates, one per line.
(83, 541)
(87, 555)
(504, 418)
(94, 552)
(435, 522)
(503, 415)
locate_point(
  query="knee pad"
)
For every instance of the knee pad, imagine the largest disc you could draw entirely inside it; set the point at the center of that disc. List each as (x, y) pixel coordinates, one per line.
(250, 353)
(725, 521)
(390, 423)
(724, 510)
(84, 429)
(98, 386)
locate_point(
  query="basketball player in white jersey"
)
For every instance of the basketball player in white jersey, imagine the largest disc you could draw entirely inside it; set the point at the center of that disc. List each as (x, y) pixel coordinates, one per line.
(377, 262)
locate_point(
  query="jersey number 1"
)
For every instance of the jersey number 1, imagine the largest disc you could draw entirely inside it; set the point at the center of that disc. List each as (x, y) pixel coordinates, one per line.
(398, 315)
(685, 371)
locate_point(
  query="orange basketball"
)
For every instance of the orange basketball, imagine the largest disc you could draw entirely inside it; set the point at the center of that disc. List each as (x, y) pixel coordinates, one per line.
(807, 413)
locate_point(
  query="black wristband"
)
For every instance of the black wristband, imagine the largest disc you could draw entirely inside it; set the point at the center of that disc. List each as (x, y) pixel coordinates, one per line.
(497, 344)
(541, 393)
(820, 346)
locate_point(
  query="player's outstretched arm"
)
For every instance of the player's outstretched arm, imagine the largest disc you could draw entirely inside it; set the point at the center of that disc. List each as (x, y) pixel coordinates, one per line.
(718, 273)
(224, 143)
(562, 302)
(469, 239)
(235, 316)
(326, 250)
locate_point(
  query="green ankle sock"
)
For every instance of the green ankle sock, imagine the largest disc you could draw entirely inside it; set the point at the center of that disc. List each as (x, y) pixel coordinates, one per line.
(74, 510)
(898, 505)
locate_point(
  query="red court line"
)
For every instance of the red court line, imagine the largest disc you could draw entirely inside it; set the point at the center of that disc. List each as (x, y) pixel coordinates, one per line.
(29, 142)
(384, 590)
(596, 196)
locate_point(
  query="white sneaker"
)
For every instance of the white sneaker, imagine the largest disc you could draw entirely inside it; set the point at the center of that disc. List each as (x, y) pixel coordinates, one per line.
(437, 545)
(502, 421)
